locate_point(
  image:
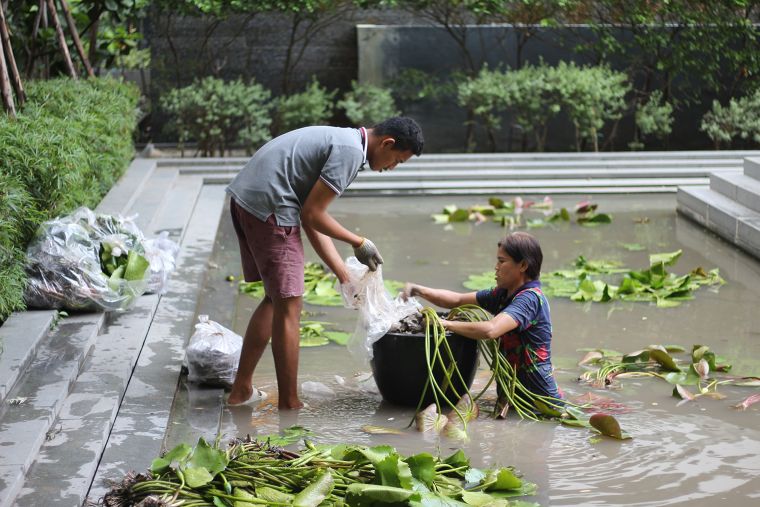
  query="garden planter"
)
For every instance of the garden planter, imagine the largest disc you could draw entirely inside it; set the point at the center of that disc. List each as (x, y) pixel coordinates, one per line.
(400, 367)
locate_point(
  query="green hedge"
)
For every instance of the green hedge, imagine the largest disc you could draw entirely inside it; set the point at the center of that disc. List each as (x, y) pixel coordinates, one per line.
(68, 146)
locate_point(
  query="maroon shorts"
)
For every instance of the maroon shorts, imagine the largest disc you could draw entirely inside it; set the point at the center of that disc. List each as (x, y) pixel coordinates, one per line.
(269, 253)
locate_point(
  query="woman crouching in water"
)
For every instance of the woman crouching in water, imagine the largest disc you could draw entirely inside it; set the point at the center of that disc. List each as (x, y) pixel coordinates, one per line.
(521, 321)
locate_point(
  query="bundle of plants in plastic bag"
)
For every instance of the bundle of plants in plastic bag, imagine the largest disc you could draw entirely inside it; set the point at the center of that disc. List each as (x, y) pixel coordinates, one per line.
(87, 261)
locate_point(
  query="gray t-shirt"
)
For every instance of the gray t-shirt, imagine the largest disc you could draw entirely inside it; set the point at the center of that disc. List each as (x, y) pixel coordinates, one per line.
(278, 178)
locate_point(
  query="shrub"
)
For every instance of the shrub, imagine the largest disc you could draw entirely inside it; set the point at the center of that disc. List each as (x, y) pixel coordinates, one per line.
(218, 115)
(367, 104)
(69, 144)
(591, 96)
(485, 96)
(313, 106)
(741, 118)
(654, 118)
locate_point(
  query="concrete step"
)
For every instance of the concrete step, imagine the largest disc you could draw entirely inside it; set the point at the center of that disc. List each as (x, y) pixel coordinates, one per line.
(122, 195)
(738, 187)
(737, 155)
(752, 167)
(65, 466)
(139, 429)
(732, 221)
(16, 352)
(89, 412)
(150, 201)
(38, 397)
(408, 172)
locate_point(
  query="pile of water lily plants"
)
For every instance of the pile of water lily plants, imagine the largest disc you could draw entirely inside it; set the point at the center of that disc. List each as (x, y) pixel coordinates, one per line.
(700, 374)
(512, 394)
(602, 281)
(250, 472)
(522, 213)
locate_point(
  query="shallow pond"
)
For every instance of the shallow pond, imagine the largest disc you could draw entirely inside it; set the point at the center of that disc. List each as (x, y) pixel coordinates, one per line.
(695, 453)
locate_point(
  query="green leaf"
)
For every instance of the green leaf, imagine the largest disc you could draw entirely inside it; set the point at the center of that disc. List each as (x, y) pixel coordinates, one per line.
(502, 479)
(664, 359)
(440, 218)
(316, 492)
(667, 259)
(271, 495)
(607, 425)
(338, 337)
(367, 495)
(458, 459)
(422, 467)
(478, 499)
(197, 477)
(290, 435)
(633, 247)
(460, 215)
(178, 454)
(482, 281)
(393, 471)
(137, 265)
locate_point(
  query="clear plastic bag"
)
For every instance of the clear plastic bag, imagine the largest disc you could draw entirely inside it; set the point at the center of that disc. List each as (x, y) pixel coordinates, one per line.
(66, 259)
(213, 353)
(161, 252)
(378, 310)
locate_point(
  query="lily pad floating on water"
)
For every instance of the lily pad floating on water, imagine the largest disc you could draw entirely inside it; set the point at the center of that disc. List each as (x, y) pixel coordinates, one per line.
(608, 426)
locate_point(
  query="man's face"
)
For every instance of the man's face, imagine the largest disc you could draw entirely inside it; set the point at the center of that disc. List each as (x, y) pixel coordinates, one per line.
(385, 158)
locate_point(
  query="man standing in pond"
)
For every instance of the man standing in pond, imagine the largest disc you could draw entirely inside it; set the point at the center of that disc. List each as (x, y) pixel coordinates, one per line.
(288, 184)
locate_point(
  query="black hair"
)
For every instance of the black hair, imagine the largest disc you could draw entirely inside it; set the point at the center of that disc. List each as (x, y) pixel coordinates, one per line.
(521, 246)
(404, 130)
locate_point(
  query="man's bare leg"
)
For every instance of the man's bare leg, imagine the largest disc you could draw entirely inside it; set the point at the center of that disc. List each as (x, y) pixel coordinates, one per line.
(254, 343)
(286, 336)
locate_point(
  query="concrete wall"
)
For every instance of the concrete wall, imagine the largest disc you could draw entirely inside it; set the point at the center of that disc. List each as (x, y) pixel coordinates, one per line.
(384, 44)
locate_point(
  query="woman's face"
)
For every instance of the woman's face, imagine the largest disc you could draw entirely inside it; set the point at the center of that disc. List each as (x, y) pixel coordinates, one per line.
(509, 274)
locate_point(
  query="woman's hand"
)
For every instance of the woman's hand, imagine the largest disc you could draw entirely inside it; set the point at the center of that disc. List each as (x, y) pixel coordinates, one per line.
(408, 291)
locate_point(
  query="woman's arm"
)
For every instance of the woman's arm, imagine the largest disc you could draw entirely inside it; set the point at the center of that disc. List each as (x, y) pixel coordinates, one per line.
(488, 330)
(441, 297)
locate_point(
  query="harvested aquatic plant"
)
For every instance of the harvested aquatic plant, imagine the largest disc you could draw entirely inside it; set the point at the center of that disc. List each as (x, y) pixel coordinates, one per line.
(256, 473)
(703, 370)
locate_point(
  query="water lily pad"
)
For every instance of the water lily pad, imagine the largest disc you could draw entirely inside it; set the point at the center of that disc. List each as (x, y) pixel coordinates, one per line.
(667, 258)
(663, 359)
(430, 420)
(607, 425)
(380, 430)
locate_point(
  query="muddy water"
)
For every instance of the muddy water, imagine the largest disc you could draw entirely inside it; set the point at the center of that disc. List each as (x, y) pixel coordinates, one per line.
(697, 453)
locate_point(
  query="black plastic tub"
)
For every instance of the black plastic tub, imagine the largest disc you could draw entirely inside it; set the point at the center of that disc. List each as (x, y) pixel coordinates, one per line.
(400, 367)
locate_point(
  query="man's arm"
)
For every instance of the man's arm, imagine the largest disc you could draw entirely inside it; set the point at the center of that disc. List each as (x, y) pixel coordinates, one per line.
(326, 250)
(314, 216)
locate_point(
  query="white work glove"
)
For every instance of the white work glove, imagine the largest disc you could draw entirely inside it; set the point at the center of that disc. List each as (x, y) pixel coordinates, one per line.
(368, 254)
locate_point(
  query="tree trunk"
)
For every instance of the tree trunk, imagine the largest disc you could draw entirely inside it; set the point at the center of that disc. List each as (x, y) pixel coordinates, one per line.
(75, 37)
(12, 69)
(62, 40)
(5, 88)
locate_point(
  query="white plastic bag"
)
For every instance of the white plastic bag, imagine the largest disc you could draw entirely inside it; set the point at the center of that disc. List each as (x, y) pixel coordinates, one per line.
(378, 310)
(213, 353)
(161, 252)
(65, 263)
